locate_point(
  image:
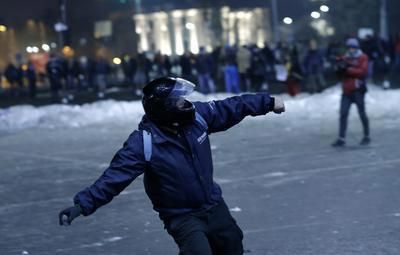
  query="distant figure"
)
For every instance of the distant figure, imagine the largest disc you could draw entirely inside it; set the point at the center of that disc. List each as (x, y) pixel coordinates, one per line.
(14, 78)
(258, 71)
(30, 74)
(371, 48)
(143, 67)
(186, 63)
(397, 52)
(295, 73)
(243, 58)
(313, 68)
(204, 66)
(55, 73)
(102, 70)
(270, 61)
(353, 71)
(231, 73)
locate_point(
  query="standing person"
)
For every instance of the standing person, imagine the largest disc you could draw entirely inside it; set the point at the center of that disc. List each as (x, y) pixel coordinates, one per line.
(102, 70)
(167, 65)
(128, 70)
(397, 52)
(231, 73)
(54, 69)
(243, 58)
(30, 74)
(158, 64)
(172, 150)
(204, 66)
(370, 47)
(270, 61)
(186, 63)
(257, 69)
(143, 67)
(353, 71)
(314, 67)
(11, 74)
(295, 73)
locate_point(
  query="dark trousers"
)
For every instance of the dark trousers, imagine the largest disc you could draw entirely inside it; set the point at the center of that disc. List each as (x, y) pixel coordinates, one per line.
(212, 232)
(346, 102)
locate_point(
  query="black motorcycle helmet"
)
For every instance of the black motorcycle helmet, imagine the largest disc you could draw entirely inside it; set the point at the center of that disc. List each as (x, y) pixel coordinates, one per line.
(164, 101)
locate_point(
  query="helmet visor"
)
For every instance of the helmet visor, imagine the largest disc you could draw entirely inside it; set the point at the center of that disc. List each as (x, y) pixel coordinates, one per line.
(182, 88)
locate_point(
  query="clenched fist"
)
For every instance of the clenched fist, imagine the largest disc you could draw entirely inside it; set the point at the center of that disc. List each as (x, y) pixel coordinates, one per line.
(279, 105)
(67, 215)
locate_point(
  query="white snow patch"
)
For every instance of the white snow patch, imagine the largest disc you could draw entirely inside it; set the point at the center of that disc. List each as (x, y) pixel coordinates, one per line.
(25, 253)
(222, 181)
(113, 239)
(56, 116)
(91, 245)
(318, 107)
(396, 215)
(275, 174)
(235, 209)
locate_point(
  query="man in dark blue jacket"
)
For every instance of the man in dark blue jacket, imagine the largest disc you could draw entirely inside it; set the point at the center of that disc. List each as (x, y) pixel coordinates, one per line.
(172, 150)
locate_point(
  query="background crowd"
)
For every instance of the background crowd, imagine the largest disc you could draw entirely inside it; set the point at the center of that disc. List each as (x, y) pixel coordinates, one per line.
(302, 66)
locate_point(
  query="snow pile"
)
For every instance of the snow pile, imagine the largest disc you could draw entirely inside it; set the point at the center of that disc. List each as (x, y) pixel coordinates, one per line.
(379, 104)
(305, 107)
(58, 116)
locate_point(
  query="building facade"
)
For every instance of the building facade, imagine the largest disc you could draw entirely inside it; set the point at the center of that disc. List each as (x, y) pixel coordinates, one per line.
(176, 31)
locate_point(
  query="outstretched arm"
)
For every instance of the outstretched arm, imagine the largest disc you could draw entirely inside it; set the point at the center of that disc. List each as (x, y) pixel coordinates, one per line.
(223, 114)
(127, 164)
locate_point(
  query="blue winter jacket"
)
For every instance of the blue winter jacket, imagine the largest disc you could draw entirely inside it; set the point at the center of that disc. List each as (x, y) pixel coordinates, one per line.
(179, 177)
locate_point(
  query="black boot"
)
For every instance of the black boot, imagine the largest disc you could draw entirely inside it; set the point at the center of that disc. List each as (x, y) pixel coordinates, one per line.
(365, 141)
(340, 142)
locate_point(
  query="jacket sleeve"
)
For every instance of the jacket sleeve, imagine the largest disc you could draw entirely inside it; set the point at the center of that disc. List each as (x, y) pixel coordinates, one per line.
(223, 114)
(127, 164)
(361, 70)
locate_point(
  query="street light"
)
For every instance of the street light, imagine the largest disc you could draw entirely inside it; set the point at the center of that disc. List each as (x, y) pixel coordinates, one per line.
(164, 28)
(190, 26)
(117, 61)
(3, 28)
(324, 8)
(46, 47)
(315, 15)
(288, 20)
(35, 49)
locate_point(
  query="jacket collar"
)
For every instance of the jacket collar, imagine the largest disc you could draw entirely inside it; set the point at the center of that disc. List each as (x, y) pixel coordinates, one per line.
(159, 135)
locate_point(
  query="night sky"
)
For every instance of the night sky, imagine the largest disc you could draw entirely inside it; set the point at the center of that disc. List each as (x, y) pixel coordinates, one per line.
(82, 13)
(15, 12)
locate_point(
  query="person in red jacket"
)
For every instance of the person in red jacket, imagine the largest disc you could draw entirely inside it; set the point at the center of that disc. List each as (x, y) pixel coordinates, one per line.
(353, 71)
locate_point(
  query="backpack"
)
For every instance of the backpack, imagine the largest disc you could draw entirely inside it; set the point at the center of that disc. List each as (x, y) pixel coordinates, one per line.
(147, 140)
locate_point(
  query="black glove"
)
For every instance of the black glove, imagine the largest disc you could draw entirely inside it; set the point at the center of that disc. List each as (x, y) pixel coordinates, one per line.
(67, 215)
(341, 68)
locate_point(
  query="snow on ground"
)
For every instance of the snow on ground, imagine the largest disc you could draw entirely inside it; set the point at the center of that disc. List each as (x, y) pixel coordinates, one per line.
(289, 191)
(380, 104)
